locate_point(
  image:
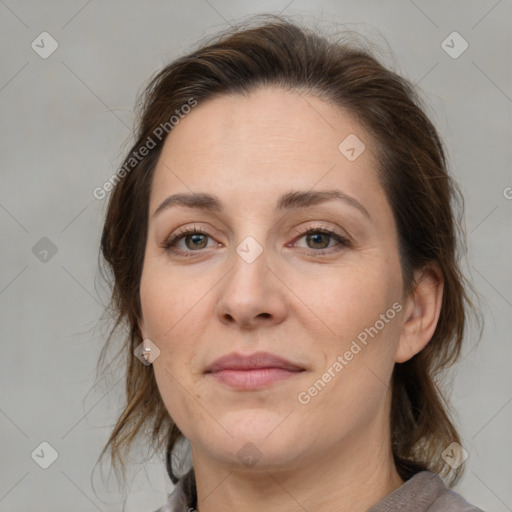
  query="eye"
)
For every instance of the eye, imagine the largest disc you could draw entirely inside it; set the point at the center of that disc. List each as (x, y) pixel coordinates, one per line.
(319, 239)
(194, 239)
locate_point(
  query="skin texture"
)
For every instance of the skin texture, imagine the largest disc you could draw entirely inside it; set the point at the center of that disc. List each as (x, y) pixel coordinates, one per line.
(334, 452)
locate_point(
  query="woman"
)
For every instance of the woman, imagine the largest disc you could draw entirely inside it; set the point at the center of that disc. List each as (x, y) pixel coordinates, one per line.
(282, 236)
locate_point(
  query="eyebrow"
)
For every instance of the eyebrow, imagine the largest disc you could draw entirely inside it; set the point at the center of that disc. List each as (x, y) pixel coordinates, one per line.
(292, 200)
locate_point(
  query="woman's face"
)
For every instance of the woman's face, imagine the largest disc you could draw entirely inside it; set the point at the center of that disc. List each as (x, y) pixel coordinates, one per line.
(251, 280)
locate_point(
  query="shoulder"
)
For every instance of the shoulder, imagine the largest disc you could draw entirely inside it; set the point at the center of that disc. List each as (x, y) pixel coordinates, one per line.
(424, 492)
(450, 501)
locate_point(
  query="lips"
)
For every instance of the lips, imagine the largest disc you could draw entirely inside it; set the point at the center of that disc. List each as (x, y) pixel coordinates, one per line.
(252, 372)
(256, 361)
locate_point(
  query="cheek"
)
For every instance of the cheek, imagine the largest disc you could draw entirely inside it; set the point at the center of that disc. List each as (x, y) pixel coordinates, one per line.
(175, 313)
(345, 300)
(173, 322)
(369, 326)
(350, 390)
(165, 314)
(360, 314)
(166, 302)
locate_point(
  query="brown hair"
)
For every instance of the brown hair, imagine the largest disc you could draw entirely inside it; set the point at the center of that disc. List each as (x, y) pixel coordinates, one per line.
(413, 173)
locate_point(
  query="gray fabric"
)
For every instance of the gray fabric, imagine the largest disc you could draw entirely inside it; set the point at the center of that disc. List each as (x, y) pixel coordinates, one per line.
(424, 492)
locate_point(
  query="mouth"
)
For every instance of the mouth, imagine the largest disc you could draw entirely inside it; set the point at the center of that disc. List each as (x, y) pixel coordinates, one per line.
(249, 372)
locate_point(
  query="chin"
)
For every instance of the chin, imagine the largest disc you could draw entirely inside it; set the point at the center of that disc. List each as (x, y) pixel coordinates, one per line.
(258, 439)
(253, 455)
(254, 424)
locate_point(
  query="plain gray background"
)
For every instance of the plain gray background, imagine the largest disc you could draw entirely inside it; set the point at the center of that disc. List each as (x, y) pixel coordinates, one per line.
(64, 121)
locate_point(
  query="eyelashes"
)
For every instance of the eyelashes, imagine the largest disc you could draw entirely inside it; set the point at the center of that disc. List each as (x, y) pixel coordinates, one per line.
(343, 242)
(313, 235)
(172, 241)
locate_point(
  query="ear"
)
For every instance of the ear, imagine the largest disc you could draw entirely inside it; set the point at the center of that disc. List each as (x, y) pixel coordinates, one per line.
(421, 312)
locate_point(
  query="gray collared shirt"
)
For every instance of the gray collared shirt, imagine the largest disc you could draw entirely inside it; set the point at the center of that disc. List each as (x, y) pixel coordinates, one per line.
(424, 492)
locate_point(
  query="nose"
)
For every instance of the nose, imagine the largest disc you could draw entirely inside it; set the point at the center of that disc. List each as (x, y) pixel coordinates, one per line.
(251, 295)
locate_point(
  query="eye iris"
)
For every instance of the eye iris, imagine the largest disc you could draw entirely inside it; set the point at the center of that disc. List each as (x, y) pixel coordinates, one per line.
(196, 241)
(316, 238)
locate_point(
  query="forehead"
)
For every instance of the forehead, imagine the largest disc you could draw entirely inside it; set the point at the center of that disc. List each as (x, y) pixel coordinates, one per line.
(264, 141)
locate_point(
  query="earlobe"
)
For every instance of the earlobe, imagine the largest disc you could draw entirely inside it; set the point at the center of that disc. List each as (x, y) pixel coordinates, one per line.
(421, 313)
